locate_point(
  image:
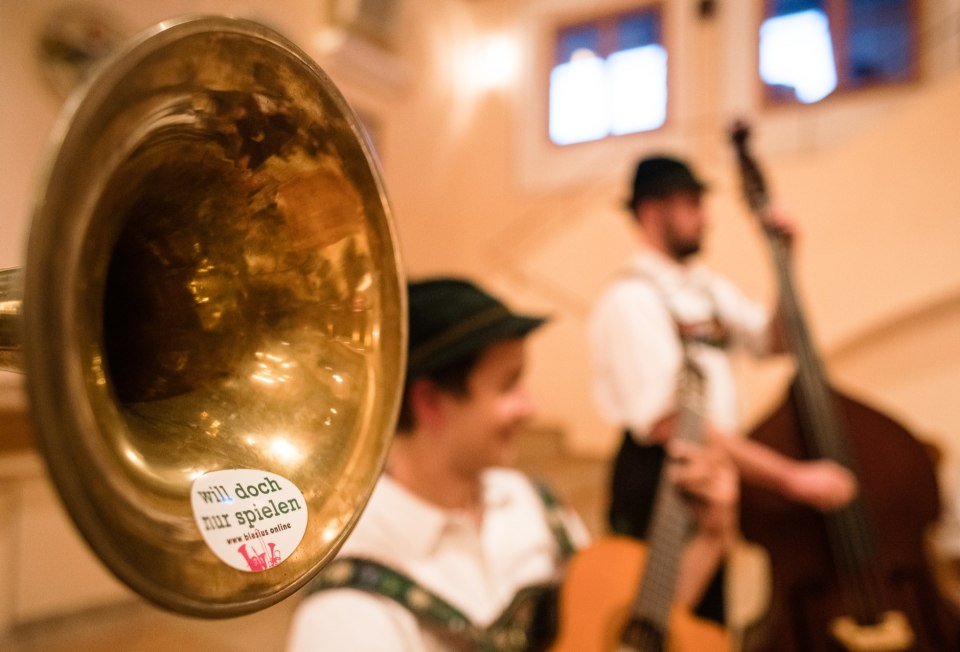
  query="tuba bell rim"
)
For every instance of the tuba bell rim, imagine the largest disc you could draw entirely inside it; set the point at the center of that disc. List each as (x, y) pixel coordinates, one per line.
(56, 283)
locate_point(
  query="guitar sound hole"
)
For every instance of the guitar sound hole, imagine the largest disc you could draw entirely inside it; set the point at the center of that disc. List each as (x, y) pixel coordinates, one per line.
(642, 636)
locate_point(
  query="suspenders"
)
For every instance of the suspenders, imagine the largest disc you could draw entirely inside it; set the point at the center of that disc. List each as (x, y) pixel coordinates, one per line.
(710, 332)
(519, 627)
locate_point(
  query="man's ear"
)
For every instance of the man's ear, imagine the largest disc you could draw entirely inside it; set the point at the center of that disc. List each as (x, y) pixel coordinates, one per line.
(426, 403)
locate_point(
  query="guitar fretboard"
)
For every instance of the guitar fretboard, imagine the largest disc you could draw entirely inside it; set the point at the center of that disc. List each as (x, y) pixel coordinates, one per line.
(671, 523)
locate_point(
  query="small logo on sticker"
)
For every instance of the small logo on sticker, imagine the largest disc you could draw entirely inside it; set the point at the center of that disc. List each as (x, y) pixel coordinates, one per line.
(252, 520)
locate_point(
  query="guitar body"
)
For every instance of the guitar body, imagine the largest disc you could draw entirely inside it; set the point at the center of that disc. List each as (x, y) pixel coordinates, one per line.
(596, 598)
(898, 487)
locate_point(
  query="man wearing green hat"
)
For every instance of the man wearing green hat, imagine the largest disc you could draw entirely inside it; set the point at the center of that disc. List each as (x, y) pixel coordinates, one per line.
(452, 540)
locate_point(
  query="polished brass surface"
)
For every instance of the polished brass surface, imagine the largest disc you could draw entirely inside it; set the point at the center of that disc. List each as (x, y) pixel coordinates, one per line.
(11, 305)
(211, 283)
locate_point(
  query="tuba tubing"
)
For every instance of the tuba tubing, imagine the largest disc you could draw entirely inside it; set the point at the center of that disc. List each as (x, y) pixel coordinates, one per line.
(11, 302)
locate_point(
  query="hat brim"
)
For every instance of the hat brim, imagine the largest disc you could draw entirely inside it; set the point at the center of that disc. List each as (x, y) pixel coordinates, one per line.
(424, 360)
(696, 188)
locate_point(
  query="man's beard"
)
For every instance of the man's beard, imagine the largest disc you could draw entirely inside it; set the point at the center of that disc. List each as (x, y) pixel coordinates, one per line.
(682, 248)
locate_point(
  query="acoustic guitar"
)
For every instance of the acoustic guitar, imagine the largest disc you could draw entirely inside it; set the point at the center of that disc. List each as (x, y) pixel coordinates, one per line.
(618, 593)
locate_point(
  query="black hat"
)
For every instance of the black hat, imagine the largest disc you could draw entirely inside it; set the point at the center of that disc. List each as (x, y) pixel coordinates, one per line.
(662, 176)
(451, 319)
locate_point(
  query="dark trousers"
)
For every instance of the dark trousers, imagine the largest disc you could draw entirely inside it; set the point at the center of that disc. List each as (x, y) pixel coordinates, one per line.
(633, 491)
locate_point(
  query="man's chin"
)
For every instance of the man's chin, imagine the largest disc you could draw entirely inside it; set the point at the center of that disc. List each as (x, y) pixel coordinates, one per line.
(685, 250)
(507, 455)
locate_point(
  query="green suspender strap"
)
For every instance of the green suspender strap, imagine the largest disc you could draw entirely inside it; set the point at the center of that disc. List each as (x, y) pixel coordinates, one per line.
(555, 521)
(519, 628)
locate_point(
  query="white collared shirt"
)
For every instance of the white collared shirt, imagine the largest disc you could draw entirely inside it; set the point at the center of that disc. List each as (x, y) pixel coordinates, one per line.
(636, 353)
(477, 569)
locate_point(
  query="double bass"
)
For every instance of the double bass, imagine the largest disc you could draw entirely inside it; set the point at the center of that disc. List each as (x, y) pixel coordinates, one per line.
(856, 578)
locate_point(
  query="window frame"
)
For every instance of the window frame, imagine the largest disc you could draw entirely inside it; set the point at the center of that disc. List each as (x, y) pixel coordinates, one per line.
(846, 88)
(607, 18)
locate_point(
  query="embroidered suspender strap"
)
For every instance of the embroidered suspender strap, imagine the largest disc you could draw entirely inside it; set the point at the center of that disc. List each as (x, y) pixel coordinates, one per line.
(512, 631)
(374, 577)
(508, 633)
(552, 508)
(712, 332)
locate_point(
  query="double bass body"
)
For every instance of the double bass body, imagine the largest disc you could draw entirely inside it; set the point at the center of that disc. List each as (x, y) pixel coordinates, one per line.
(898, 491)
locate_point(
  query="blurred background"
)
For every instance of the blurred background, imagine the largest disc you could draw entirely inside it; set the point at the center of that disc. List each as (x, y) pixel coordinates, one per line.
(507, 131)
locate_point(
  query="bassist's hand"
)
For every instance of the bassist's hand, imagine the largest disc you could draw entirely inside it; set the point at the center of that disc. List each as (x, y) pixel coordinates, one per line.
(822, 484)
(777, 222)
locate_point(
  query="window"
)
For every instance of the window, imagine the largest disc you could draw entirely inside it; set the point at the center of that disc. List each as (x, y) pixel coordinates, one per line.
(609, 77)
(810, 49)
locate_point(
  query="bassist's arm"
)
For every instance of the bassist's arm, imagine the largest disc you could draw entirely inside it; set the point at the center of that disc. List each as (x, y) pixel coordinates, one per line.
(822, 484)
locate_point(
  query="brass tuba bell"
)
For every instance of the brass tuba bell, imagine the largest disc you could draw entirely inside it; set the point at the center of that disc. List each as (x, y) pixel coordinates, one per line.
(211, 318)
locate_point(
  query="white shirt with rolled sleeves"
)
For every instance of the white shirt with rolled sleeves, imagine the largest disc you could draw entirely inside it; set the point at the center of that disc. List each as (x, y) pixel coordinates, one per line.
(476, 569)
(636, 352)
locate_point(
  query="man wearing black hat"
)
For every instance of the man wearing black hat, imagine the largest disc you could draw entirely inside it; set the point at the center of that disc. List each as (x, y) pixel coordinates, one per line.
(663, 307)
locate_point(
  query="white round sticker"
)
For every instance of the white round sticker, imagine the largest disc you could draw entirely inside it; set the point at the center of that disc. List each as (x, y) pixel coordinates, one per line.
(252, 520)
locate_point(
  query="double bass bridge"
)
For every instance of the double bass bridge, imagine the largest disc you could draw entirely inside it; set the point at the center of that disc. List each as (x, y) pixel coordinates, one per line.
(891, 634)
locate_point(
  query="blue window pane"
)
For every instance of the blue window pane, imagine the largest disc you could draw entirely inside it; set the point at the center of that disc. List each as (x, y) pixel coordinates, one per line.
(876, 46)
(639, 29)
(582, 37)
(796, 52)
(609, 77)
(638, 89)
(579, 101)
(879, 40)
(783, 7)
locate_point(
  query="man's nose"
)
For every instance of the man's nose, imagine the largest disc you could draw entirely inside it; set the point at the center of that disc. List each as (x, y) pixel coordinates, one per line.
(525, 405)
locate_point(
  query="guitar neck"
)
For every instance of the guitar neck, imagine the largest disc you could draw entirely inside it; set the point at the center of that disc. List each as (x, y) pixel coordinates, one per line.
(668, 532)
(671, 523)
